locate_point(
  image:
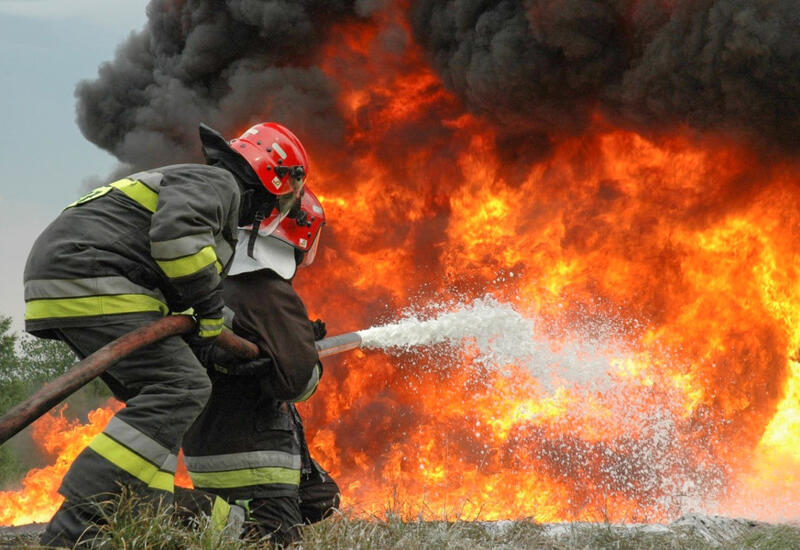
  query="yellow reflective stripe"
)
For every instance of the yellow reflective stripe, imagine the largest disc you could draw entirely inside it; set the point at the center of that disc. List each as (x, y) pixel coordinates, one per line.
(125, 459)
(311, 388)
(36, 289)
(219, 513)
(218, 266)
(243, 461)
(139, 192)
(90, 196)
(210, 327)
(181, 267)
(245, 478)
(163, 481)
(209, 333)
(86, 306)
(311, 391)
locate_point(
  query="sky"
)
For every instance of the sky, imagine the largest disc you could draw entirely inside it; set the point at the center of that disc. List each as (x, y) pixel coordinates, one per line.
(46, 48)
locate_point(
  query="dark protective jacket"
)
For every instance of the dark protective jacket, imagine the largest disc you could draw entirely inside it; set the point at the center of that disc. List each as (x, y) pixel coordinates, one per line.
(245, 444)
(154, 242)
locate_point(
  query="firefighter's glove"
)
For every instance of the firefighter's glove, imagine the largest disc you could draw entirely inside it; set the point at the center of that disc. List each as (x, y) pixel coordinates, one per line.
(257, 367)
(319, 329)
(208, 327)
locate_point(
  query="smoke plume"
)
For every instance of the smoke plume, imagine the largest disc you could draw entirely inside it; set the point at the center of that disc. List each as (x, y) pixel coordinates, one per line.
(534, 68)
(228, 65)
(721, 66)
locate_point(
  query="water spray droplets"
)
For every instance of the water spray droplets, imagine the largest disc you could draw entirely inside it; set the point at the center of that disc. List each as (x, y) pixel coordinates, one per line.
(496, 336)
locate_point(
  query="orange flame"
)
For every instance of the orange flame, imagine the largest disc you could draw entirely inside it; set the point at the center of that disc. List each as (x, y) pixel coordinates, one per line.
(686, 247)
(62, 439)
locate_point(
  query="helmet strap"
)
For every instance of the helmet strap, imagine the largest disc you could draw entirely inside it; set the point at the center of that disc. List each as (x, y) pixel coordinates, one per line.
(258, 217)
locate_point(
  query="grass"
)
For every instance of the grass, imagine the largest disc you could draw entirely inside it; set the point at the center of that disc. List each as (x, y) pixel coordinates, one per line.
(132, 525)
(347, 533)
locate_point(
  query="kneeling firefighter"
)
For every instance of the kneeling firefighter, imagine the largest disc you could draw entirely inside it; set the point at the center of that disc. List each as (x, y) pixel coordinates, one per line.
(156, 242)
(248, 445)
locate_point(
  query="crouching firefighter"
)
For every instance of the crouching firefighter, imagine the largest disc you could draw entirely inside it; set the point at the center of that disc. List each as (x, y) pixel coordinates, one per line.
(130, 252)
(248, 445)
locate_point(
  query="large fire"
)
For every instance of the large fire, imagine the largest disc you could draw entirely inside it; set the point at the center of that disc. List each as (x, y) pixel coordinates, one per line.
(684, 245)
(62, 439)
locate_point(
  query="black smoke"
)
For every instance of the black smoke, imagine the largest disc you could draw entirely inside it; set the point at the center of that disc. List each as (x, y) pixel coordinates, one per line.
(546, 66)
(228, 64)
(535, 69)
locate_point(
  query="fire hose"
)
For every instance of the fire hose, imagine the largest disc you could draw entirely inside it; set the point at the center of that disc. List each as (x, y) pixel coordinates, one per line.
(95, 364)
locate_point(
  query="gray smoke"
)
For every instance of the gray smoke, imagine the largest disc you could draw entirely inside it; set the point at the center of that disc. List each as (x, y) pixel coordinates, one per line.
(536, 69)
(227, 64)
(727, 66)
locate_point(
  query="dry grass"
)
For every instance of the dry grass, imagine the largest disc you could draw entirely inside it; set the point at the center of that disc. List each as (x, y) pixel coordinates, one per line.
(132, 525)
(356, 534)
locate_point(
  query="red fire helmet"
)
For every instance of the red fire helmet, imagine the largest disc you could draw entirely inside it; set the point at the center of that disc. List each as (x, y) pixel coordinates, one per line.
(303, 230)
(276, 155)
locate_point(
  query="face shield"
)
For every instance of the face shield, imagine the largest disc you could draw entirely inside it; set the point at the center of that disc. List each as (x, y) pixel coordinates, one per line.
(287, 204)
(308, 257)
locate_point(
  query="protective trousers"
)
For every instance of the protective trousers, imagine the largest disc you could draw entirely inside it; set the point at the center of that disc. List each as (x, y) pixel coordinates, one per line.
(164, 388)
(251, 451)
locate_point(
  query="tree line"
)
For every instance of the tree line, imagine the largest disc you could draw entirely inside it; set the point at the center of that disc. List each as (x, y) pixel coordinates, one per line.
(26, 364)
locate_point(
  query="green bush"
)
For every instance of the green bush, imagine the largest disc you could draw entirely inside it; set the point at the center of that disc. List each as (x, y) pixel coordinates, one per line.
(26, 364)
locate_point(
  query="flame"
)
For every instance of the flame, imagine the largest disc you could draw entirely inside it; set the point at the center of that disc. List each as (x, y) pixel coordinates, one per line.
(685, 245)
(674, 254)
(61, 439)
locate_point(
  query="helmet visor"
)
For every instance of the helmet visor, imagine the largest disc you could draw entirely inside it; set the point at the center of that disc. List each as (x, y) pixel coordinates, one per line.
(287, 204)
(308, 257)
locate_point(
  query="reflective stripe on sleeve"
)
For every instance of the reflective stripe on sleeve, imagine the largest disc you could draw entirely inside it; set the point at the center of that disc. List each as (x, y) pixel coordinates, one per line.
(125, 459)
(180, 247)
(139, 192)
(188, 265)
(209, 328)
(311, 387)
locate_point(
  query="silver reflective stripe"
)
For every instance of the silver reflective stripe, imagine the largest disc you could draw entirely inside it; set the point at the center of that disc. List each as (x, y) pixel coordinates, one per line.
(141, 443)
(241, 461)
(171, 464)
(227, 317)
(224, 250)
(150, 179)
(311, 387)
(180, 247)
(96, 286)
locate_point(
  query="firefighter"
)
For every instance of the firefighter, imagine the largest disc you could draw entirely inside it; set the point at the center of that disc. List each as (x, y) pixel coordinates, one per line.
(248, 444)
(142, 247)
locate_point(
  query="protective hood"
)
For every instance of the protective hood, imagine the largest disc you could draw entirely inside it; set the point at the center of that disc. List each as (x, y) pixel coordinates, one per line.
(268, 253)
(218, 153)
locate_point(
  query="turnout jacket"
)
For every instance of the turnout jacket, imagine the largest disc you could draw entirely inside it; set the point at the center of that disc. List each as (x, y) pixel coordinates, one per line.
(155, 242)
(245, 443)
